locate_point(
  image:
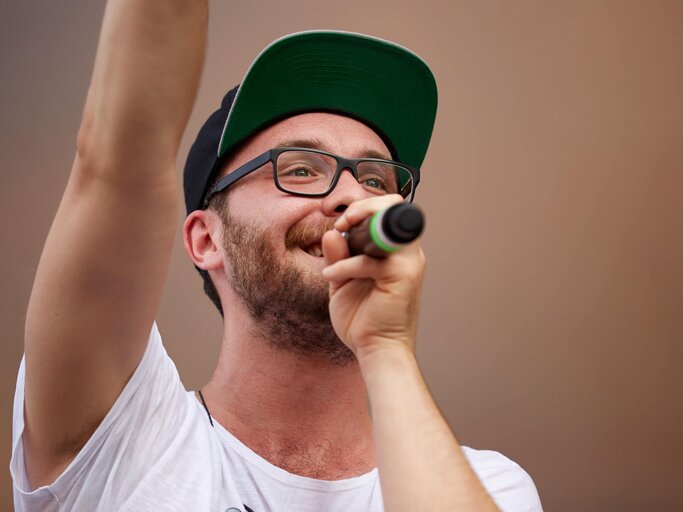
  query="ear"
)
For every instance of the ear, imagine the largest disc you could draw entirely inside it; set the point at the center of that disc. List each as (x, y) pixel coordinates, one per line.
(202, 237)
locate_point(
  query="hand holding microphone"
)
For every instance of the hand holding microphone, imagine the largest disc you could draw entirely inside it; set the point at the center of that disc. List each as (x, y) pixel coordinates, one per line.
(372, 300)
(386, 231)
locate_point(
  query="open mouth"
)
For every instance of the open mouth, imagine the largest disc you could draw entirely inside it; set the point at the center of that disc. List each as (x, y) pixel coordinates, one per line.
(308, 237)
(314, 249)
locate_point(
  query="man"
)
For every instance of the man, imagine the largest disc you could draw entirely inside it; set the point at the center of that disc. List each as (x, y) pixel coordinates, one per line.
(317, 402)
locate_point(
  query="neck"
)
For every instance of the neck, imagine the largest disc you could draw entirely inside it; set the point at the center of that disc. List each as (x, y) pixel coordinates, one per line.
(306, 415)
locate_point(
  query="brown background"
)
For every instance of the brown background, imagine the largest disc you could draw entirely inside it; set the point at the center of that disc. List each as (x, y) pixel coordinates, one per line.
(551, 328)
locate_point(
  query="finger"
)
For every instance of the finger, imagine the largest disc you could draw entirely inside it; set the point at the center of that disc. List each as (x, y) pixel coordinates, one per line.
(406, 265)
(334, 247)
(359, 210)
(357, 267)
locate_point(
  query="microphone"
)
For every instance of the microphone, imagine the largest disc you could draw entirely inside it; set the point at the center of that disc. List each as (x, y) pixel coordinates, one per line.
(386, 231)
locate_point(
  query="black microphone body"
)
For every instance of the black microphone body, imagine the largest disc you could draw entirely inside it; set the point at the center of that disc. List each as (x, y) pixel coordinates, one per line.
(386, 231)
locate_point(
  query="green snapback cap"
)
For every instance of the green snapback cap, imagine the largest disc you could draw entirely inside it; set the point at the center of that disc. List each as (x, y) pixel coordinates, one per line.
(380, 83)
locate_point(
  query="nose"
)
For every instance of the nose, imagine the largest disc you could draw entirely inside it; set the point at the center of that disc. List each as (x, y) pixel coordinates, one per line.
(344, 193)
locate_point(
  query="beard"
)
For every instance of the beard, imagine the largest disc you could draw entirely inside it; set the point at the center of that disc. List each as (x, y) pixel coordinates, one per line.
(289, 304)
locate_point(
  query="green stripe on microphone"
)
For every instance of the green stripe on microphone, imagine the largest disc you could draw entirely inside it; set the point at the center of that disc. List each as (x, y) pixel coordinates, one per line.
(374, 234)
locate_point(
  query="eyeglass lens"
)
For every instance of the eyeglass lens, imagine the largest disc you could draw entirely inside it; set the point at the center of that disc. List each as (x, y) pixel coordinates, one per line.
(312, 173)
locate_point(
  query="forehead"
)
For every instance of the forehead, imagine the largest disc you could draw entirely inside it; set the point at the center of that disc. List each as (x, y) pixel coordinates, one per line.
(335, 133)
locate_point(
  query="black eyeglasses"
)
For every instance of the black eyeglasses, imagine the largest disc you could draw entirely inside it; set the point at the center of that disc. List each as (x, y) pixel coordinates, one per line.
(315, 173)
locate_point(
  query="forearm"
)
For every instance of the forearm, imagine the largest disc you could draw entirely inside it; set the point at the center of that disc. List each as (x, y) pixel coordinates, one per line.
(147, 71)
(417, 454)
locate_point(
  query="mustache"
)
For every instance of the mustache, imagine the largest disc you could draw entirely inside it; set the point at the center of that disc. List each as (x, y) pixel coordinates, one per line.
(302, 234)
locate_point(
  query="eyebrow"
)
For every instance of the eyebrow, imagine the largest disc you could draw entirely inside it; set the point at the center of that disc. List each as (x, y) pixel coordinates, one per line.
(320, 145)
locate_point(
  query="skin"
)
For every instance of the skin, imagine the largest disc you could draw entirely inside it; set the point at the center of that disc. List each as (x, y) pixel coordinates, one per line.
(107, 254)
(316, 418)
(297, 394)
(106, 259)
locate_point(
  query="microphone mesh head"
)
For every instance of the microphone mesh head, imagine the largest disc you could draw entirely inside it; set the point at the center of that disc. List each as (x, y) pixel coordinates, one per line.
(403, 223)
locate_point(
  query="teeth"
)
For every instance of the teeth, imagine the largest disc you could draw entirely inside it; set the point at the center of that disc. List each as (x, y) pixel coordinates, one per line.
(315, 250)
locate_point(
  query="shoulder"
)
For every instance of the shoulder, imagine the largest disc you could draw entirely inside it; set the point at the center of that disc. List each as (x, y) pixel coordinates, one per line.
(153, 418)
(507, 482)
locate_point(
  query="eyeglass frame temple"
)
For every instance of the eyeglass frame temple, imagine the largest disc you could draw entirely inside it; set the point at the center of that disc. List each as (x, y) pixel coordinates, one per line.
(239, 173)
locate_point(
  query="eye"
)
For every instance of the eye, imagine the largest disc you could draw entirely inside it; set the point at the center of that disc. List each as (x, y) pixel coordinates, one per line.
(377, 177)
(297, 171)
(373, 182)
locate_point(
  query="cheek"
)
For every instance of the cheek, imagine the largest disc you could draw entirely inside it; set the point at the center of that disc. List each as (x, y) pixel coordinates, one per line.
(272, 211)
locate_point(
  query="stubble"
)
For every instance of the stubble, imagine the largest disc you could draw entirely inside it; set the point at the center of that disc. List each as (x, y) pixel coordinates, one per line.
(289, 304)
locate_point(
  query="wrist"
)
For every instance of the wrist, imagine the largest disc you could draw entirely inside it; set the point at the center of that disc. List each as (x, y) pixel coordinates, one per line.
(385, 354)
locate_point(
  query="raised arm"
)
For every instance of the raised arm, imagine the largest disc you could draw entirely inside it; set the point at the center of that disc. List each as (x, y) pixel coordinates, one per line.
(105, 261)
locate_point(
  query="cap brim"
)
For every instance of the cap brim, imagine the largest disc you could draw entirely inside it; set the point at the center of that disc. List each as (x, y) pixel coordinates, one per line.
(377, 82)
